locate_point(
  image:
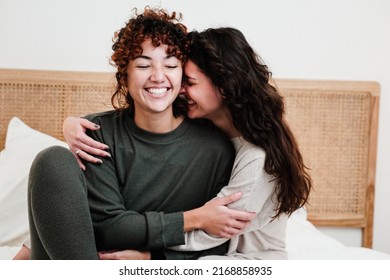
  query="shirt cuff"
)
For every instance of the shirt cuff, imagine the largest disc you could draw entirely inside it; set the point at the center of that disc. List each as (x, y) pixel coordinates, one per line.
(165, 230)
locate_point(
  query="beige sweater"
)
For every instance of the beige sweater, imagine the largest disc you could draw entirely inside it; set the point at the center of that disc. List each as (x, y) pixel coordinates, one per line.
(263, 238)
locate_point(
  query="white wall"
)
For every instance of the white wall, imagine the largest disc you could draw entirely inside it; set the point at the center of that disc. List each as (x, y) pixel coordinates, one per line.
(333, 39)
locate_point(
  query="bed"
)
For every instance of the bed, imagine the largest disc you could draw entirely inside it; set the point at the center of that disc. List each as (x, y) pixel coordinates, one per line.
(336, 124)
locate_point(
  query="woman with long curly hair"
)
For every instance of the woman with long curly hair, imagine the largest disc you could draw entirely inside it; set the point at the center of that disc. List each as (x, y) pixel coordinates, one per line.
(229, 84)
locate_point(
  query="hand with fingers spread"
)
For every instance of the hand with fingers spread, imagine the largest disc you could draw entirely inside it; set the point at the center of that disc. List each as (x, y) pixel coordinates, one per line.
(81, 145)
(217, 219)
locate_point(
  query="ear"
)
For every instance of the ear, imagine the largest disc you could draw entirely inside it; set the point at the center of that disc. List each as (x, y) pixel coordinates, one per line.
(221, 92)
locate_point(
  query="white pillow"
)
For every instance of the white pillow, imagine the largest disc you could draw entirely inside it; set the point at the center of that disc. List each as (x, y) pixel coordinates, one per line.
(22, 145)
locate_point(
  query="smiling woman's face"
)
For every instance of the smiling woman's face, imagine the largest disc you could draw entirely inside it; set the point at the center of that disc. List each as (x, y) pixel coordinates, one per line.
(154, 79)
(204, 99)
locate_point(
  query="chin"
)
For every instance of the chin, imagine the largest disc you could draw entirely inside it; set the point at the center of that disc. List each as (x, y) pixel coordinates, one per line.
(193, 115)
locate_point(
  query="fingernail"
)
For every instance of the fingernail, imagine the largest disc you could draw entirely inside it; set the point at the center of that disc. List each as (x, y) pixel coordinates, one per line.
(100, 162)
(97, 126)
(108, 155)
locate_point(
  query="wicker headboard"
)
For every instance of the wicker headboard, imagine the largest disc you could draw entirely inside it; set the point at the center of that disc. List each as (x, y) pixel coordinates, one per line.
(335, 122)
(42, 99)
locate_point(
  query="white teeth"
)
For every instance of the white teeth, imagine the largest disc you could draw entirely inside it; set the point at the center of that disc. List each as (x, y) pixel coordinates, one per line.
(157, 91)
(190, 101)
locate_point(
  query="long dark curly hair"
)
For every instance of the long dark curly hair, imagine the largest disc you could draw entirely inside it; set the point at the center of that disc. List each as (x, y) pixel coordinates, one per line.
(160, 27)
(257, 108)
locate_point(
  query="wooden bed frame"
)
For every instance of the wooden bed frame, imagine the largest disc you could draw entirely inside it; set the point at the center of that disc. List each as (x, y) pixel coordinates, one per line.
(335, 122)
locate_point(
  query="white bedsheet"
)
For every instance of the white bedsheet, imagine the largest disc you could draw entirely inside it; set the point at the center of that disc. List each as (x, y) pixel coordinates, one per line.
(304, 242)
(8, 252)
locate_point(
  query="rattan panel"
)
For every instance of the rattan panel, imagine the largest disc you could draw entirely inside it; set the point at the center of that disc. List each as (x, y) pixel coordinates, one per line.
(333, 131)
(42, 99)
(25, 101)
(87, 98)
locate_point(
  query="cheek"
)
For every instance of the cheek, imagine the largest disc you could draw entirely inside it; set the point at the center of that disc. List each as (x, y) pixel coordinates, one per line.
(212, 96)
(133, 79)
(215, 104)
(176, 76)
(209, 102)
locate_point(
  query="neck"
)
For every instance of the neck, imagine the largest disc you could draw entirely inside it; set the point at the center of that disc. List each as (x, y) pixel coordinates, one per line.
(223, 120)
(158, 123)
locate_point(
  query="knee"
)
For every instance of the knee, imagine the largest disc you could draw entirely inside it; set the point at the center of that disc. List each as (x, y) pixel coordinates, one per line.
(55, 160)
(50, 157)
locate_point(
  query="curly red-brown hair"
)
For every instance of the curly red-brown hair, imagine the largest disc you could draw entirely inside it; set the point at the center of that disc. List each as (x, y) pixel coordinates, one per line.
(155, 24)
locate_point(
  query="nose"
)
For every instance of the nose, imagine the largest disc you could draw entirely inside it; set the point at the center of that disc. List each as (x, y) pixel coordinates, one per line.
(183, 90)
(158, 75)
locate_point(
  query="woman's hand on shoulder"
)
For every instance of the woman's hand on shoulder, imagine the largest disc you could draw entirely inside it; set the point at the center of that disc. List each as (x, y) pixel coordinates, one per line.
(217, 219)
(81, 145)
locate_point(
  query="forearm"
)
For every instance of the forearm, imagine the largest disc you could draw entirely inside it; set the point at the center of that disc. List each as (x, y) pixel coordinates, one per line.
(192, 220)
(148, 231)
(192, 224)
(195, 238)
(213, 224)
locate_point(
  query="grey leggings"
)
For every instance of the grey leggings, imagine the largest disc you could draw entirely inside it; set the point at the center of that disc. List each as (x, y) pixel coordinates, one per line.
(60, 222)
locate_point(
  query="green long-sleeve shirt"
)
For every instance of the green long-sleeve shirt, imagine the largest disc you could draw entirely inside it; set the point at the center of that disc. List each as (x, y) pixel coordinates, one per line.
(137, 196)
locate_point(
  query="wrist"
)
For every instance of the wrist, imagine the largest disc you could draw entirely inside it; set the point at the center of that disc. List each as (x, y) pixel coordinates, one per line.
(192, 220)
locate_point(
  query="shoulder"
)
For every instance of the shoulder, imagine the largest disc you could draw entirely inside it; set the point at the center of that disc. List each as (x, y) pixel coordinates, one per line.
(247, 152)
(111, 117)
(111, 123)
(101, 115)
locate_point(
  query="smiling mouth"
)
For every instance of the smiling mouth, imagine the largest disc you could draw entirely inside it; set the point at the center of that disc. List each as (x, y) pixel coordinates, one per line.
(157, 92)
(186, 98)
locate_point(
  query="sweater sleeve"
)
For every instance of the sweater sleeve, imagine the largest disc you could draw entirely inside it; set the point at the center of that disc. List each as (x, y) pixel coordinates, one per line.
(117, 228)
(248, 177)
